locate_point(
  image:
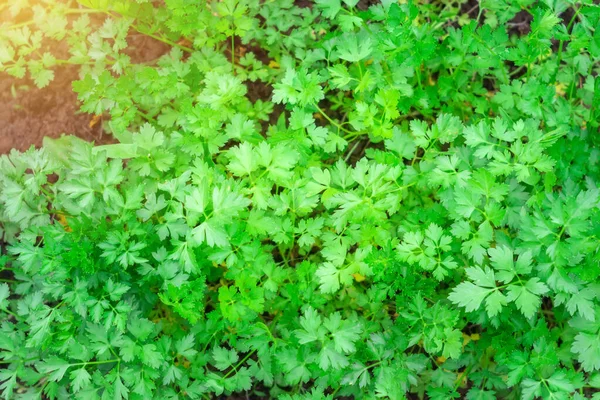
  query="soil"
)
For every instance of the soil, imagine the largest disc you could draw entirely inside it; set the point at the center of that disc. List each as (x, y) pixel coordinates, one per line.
(521, 23)
(27, 113)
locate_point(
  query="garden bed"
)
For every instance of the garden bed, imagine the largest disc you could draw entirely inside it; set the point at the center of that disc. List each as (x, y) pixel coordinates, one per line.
(300, 200)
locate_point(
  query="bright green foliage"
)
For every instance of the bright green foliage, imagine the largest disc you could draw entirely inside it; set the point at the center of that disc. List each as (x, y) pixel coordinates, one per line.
(308, 200)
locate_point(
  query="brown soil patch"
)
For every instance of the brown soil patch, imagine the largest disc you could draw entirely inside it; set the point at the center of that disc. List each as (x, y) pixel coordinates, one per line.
(27, 113)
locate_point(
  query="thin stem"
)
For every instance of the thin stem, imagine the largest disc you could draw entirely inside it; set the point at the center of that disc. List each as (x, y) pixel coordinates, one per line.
(561, 43)
(331, 121)
(516, 71)
(69, 62)
(479, 14)
(21, 361)
(164, 40)
(10, 312)
(291, 253)
(240, 363)
(143, 115)
(233, 53)
(463, 375)
(20, 25)
(473, 9)
(115, 360)
(285, 260)
(351, 151)
(266, 328)
(402, 187)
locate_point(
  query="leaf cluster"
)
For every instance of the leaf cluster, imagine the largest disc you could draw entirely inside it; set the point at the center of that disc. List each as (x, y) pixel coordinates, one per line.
(408, 209)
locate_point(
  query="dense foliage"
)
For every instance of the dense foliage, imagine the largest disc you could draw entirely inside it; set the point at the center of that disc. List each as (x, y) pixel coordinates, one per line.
(308, 200)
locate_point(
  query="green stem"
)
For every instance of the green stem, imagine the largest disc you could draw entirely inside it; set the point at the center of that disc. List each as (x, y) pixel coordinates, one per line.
(291, 253)
(233, 53)
(208, 342)
(15, 316)
(268, 330)
(69, 62)
(573, 84)
(418, 73)
(561, 43)
(143, 115)
(351, 151)
(239, 364)
(331, 121)
(335, 392)
(461, 376)
(479, 13)
(21, 361)
(285, 259)
(20, 25)
(116, 360)
(164, 40)
(516, 71)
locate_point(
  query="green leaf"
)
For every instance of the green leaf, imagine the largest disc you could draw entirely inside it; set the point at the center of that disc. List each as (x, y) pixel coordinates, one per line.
(353, 49)
(587, 347)
(55, 367)
(471, 295)
(185, 346)
(118, 150)
(224, 358)
(120, 390)
(42, 77)
(150, 356)
(80, 379)
(211, 233)
(453, 342)
(4, 293)
(298, 87)
(502, 261)
(344, 333)
(330, 8)
(329, 278)
(527, 297)
(312, 328)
